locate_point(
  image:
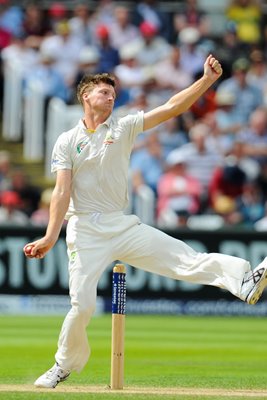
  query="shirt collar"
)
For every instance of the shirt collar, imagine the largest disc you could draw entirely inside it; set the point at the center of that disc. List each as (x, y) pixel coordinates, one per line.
(107, 123)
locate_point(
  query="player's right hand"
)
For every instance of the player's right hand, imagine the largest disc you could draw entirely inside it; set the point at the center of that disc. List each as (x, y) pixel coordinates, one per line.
(37, 249)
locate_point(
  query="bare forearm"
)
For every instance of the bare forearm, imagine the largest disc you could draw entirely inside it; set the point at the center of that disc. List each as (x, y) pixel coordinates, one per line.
(183, 100)
(58, 208)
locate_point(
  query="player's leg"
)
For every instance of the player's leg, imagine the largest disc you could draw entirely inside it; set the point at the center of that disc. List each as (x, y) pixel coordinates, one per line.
(152, 250)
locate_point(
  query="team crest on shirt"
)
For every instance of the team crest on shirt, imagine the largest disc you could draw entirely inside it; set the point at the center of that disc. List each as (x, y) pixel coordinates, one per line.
(109, 139)
(81, 145)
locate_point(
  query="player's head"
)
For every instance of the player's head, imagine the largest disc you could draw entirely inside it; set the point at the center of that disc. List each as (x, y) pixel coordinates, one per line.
(89, 82)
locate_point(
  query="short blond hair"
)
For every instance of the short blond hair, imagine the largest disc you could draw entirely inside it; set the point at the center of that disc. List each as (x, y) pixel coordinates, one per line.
(88, 82)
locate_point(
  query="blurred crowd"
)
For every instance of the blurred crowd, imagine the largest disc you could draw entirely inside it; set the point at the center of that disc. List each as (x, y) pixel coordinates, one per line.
(209, 164)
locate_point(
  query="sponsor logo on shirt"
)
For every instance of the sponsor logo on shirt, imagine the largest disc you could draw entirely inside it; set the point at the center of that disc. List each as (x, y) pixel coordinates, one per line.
(54, 161)
(109, 139)
(81, 146)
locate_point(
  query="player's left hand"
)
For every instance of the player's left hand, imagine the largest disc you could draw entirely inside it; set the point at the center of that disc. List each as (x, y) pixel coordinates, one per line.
(212, 68)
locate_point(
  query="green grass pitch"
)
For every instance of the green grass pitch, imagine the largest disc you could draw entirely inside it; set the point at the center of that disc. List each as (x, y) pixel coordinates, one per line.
(162, 353)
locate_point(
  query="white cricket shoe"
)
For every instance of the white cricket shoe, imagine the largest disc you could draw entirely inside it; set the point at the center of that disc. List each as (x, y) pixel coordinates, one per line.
(51, 378)
(254, 283)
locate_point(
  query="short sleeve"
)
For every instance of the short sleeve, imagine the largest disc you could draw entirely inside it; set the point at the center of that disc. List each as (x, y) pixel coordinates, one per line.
(61, 158)
(133, 124)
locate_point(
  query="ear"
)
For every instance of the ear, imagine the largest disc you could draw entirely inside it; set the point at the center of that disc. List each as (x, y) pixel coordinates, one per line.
(85, 96)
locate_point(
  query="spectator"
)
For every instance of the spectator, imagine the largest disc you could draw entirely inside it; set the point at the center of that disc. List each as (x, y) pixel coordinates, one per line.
(148, 11)
(5, 170)
(191, 16)
(57, 13)
(123, 96)
(19, 52)
(261, 224)
(46, 75)
(191, 56)
(10, 212)
(249, 96)
(257, 74)
(247, 16)
(262, 178)
(11, 17)
(147, 163)
(227, 182)
(65, 47)
(5, 38)
(254, 135)
(104, 12)
(28, 193)
(250, 205)
(41, 215)
(201, 160)
(82, 24)
(122, 30)
(153, 47)
(130, 73)
(225, 118)
(171, 135)
(229, 48)
(35, 26)
(109, 56)
(88, 60)
(169, 74)
(178, 193)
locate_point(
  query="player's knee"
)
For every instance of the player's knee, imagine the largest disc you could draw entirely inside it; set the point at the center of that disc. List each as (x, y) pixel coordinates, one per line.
(85, 310)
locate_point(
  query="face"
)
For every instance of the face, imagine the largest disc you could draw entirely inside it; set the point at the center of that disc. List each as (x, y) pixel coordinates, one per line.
(100, 98)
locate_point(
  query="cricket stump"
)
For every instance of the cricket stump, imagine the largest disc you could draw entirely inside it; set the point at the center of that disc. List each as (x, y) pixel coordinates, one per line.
(118, 326)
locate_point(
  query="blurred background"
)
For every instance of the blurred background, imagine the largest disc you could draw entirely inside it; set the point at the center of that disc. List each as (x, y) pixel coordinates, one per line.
(201, 177)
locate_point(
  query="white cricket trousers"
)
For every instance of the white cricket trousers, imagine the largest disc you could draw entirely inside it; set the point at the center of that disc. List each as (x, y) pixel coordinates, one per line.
(96, 240)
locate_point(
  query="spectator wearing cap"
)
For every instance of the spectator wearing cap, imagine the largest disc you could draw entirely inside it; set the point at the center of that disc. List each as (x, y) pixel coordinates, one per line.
(249, 96)
(57, 12)
(225, 119)
(130, 73)
(179, 193)
(88, 60)
(149, 11)
(192, 57)
(65, 47)
(122, 30)
(109, 55)
(153, 47)
(10, 212)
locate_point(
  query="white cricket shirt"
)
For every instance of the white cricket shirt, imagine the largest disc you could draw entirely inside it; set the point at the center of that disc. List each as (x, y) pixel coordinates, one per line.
(99, 162)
